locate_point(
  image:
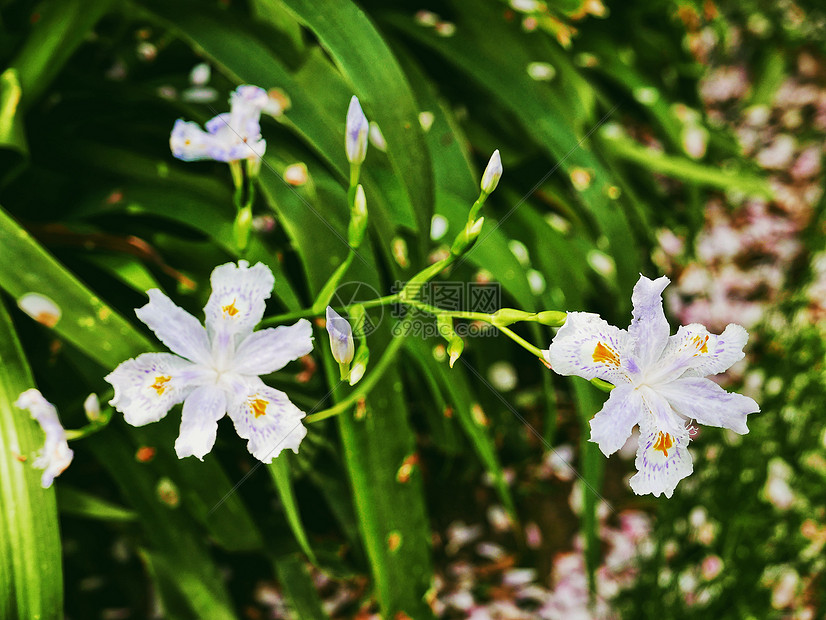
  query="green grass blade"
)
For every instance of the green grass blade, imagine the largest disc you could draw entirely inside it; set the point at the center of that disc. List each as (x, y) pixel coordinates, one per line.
(31, 579)
(280, 472)
(61, 27)
(592, 461)
(107, 338)
(687, 170)
(299, 588)
(78, 503)
(382, 86)
(185, 567)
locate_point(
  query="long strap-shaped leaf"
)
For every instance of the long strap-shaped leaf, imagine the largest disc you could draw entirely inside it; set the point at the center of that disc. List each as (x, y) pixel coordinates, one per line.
(377, 77)
(107, 338)
(391, 510)
(31, 579)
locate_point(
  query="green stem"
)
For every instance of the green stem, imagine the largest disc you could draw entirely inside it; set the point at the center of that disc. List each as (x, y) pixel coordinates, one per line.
(308, 312)
(522, 342)
(91, 428)
(479, 316)
(329, 288)
(366, 384)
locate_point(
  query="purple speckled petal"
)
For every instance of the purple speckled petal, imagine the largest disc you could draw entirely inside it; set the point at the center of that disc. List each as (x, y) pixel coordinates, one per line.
(175, 327)
(694, 352)
(662, 460)
(588, 347)
(148, 386)
(649, 329)
(268, 350)
(705, 401)
(612, 426)
(189, 142)
(266, 418)
(199, 421)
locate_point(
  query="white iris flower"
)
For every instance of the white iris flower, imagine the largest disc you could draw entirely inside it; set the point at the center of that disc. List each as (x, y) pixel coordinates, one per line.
(659, 383)
(215, 370)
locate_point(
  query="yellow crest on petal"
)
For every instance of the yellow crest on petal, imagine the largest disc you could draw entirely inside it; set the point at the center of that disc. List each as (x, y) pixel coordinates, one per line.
(606, 355)
(664, 443)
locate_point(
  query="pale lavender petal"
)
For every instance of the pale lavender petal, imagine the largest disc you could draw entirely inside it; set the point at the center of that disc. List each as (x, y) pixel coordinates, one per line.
(55, 456)
(612, 426)
(218, 123)
(694, 352)
(199, 421)
(175, 327)
(588, 347)
(147, 387)
(649, 329)
(356, 132)
(341, 337)
(237, 303)
(268, 350)
(268, 420)
(662, 460)
(189, 142)
(705, 401)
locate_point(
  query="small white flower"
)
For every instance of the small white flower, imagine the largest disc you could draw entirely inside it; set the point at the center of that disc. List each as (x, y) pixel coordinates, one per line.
(55, 456)
(216, 369)
(228, 137)
(659, 383)
(493, 172)
(341, 337)
(356, 133)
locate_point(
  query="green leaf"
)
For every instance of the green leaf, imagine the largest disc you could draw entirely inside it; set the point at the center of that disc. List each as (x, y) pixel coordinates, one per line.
(317, 91)
(391, 512)
(61, 27)
(589, 402)
(542, 111)
(31, 581)
(86, 319)
(382, 87)
(687, 170)
(280, 472)
(294, 577)
(78, 503)
(13, 146)
(455, 385)
(178, 554)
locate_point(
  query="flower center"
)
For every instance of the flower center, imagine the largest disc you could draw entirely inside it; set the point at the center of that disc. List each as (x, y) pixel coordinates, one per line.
(663, 443)
(160, 383)
(259, 406)
(606, 355)
(230, 309)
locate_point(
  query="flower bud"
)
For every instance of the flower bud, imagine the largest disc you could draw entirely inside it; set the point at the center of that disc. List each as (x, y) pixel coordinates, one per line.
(467, 236)
(454, 349)
(552, 318)
(341, 337)
(359, 363)
(358, 219)
(92, 407)
(242, 227)
(357, 128)
(490, 179)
